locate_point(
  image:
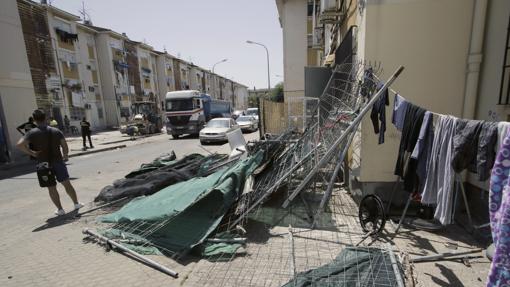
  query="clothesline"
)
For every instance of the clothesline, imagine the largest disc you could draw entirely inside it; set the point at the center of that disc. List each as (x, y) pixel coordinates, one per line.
(455, 144)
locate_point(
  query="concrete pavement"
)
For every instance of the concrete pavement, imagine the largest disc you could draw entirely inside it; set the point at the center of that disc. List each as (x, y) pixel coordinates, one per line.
(38, 252)
(35, 253)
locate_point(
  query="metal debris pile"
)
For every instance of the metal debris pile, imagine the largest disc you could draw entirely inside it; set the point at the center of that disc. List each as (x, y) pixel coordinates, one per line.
(251, 204)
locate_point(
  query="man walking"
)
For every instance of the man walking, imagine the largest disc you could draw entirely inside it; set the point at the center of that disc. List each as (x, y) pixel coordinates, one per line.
(85, 132)
(45, 147)
(26, 126)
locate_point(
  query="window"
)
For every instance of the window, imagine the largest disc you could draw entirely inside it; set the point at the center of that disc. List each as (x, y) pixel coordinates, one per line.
(77, 113)
(91, 89)
(100, 112)
(179, 105)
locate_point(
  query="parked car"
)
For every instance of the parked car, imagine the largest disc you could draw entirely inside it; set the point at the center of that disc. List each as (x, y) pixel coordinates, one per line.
(237, 113)
(247, 123)
(253, 112)
(216, 130)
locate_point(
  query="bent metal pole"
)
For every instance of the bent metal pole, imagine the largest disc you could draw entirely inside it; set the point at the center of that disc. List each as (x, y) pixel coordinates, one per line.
(138, 256)
(344, 135)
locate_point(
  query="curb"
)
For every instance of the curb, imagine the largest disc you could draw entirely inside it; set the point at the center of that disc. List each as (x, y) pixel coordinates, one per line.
(97, 150)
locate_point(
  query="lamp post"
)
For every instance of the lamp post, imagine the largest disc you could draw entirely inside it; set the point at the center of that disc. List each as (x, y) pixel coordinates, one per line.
(219, 62)
(267, 55)
(263, 124)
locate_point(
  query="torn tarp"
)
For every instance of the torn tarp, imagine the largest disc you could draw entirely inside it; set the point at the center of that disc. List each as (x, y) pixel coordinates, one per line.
(181, 216)
(354, 266)
(161, 173)
(162, 160)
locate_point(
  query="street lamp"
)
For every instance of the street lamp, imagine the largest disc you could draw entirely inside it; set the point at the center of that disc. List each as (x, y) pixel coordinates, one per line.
(268, 87)
(219, 62)
(267, 54)
(222, 61)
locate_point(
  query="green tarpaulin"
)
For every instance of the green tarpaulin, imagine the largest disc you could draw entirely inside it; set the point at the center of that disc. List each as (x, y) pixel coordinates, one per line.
(184, 213)
(353, 267)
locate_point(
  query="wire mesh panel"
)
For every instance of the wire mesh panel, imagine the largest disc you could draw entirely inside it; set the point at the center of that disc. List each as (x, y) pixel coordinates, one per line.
(280, 249)
(311, 159)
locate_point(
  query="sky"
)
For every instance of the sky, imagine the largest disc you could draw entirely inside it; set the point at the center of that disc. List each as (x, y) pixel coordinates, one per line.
(200, 31)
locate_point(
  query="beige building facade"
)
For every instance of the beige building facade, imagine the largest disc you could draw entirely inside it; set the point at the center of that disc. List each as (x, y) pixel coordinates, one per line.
(454, 60)
(17, 96)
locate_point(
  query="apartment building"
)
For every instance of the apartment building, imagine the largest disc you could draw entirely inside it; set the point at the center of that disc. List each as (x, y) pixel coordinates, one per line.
(147, 71)
(81, 70)
(456, 63)
(195, 78)
(113, 70)
(17, 95)
(165, 71)
(92, 101)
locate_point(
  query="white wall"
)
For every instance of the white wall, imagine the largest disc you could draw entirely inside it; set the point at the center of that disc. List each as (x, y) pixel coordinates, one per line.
(430, 39)
(294, 23)
(16, 88)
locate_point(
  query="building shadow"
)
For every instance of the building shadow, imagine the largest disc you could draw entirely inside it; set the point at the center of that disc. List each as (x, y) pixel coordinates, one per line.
(448, 274)
(15, 171)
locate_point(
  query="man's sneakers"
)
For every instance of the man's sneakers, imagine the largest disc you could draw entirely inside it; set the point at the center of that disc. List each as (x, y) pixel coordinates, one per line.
(60, 212)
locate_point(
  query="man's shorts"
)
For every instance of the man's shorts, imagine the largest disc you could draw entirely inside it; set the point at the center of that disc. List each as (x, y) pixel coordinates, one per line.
(60, 170)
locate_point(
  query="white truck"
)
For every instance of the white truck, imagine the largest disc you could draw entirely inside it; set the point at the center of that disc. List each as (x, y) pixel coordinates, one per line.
(188, 111)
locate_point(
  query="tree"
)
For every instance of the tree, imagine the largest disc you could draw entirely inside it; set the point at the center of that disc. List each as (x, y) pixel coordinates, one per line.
(277, 93)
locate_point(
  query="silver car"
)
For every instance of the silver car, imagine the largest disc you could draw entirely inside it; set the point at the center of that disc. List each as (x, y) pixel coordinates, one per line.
(247, 123)
(216, 130)
(254, 112)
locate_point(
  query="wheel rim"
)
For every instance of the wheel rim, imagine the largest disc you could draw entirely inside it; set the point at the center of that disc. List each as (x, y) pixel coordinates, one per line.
(371, 214)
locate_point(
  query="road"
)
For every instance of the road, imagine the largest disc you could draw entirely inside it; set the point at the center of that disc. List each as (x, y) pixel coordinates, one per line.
(37, 254)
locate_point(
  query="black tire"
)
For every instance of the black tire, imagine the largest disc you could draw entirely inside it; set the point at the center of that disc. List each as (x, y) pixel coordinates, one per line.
(175, 136)
(202, 142)
(371, 214)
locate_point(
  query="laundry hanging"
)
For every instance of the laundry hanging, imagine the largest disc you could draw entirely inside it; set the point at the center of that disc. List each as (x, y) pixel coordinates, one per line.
(405, 165)
(438, 187)
(378, 114)
(499, 213)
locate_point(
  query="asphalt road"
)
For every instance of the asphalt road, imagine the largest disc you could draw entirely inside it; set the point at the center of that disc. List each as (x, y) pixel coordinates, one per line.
(35, 253)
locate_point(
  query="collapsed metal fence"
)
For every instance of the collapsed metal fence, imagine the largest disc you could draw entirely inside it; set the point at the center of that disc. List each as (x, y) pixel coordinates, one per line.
(296, 236)
(315, 158)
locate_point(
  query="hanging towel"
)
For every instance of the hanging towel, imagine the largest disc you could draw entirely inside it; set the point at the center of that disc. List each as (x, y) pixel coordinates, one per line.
(503, 128)
(473, 145)
(499, 212)
(423, 147)
(399, 112)
(438, 187)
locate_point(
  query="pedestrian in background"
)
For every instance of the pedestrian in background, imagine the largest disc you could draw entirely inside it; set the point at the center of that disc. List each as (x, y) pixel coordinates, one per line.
(85, 132)
(47, 143)
(53, 123)
(26, 126)
(67, 124)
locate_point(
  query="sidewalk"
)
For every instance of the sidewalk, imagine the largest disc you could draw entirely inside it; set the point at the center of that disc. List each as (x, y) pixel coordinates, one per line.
(106, 140)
